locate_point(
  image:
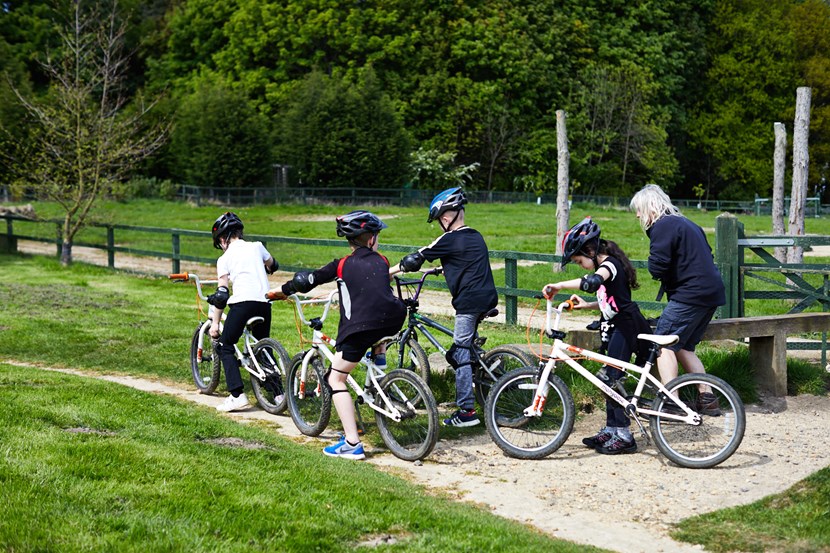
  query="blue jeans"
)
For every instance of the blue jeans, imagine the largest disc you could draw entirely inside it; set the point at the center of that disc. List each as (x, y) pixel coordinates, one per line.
(463, 337)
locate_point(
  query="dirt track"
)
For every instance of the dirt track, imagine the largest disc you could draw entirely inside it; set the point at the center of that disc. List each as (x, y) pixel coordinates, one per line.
(624, 503)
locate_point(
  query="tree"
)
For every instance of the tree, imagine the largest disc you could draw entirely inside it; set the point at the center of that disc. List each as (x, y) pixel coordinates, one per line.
(219, 139)
(86, 138)
(343, 135)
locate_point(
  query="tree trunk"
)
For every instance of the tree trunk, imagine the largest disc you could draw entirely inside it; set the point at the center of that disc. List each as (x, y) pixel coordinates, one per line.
(562, 182)
(66, 253)
(801, 162)
(779, 170)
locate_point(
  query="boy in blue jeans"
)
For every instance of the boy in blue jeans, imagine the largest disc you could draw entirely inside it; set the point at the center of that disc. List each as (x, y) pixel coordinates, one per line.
(466, 262)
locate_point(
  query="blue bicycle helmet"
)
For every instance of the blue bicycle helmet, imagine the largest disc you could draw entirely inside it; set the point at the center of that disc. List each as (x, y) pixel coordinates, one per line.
(356, 223)
(451, 199)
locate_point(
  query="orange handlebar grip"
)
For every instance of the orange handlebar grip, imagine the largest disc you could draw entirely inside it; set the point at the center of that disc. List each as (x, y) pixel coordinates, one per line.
(570, 305)
(179, 276)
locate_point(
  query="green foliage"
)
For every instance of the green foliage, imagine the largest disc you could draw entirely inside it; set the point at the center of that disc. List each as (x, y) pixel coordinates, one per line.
(436, 170)
(144, 187)
(339, 134)
(219, 139)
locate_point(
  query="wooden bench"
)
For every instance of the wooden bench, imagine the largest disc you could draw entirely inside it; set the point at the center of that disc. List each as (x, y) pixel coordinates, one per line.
(767, 342)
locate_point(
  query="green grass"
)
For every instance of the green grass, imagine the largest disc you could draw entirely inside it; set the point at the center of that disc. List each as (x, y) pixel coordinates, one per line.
(89, 465)
(796, 521)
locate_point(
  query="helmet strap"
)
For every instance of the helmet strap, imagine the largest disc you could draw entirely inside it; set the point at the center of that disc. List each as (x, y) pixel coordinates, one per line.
(449, 226)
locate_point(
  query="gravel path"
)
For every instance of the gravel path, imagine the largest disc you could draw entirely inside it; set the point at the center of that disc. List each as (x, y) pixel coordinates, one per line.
(571, 493)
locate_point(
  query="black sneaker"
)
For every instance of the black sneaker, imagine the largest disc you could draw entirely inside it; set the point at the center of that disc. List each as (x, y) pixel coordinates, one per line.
(616, 446)
(462, 417)
(598, 440)
(708, 404)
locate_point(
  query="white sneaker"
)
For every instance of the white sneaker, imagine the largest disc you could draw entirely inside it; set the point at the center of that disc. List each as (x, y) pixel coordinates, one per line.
(234, 403)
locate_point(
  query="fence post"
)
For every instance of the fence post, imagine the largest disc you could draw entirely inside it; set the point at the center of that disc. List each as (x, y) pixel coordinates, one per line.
(728, 260)
(58, 239)
(110, 247)
(9, 242)
(176, 253)
(511, 280)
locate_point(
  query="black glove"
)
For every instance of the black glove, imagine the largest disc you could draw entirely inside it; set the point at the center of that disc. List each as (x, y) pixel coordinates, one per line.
(220, 298)
(272, 267)
(411, 262)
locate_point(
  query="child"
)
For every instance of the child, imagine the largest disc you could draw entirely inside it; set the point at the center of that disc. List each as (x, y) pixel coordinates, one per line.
(466, 262)
(244, 264)
(613, 280)
(369, 311)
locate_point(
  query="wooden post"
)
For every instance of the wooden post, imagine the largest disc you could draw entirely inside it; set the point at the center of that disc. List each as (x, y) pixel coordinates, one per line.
(727, 257)
(801, 163)
(779, 170)
(176, 253)
(110, 247)
(562, 182)
(511, 280)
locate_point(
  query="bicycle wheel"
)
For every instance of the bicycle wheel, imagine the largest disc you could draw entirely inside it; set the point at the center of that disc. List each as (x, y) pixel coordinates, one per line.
(204, 361)
(525, 437)
(273, 359)
(413, 437)
(414, 357)
(706, 444)
(498, 361)
(311, 412)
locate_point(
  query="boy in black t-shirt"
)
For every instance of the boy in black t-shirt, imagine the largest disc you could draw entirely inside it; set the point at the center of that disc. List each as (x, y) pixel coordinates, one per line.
(466, 262)
(612, 281)
(369, 311)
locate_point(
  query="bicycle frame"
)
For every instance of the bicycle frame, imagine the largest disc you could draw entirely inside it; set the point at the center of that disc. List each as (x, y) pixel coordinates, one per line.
(322, 344)
(560, 352)
(247, 336)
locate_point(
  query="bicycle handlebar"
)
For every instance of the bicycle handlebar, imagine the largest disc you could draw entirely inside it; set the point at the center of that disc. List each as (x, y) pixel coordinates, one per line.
(184, 277)
(299, 303)
(419, 282)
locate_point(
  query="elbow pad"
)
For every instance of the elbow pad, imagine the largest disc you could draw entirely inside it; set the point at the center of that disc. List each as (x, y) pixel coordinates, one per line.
(272, 267)
(412, 262)
(220, 298)
(303, 282)
(590, 283)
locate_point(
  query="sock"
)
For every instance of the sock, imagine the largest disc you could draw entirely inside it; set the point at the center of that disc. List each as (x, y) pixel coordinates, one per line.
(351, 444)
(625, 433)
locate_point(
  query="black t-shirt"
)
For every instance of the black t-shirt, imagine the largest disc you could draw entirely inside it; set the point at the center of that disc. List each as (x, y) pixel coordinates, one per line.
(466, 262)
(367, 301)
(617, 307)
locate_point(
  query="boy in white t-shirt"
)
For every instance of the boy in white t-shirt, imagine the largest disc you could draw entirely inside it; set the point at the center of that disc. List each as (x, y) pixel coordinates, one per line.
(244, 264)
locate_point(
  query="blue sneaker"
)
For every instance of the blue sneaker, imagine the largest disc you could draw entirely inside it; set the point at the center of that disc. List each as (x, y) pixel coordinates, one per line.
(345, 450)
(462, 417)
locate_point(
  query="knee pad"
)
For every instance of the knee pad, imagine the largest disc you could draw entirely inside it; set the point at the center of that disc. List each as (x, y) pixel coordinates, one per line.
(331, 390)
(453, 358)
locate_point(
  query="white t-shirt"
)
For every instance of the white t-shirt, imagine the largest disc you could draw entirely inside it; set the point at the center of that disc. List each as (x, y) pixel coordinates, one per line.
(243, 262)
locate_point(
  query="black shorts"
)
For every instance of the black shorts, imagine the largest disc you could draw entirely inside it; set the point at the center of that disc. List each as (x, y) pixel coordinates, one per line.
(356, 345)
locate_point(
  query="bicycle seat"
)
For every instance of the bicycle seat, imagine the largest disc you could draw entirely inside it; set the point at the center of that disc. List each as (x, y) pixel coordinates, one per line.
(660, 340)
(253, 321)
(492, 313)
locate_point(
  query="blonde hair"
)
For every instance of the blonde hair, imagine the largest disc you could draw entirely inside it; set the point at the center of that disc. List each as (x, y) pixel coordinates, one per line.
(651, 203)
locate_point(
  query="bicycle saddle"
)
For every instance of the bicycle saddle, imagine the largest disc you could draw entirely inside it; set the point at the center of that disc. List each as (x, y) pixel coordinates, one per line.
(253, 321)
(660, 340)
(492, 313)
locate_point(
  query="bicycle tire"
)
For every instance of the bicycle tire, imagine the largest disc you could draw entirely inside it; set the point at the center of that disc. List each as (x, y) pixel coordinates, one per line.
(415, 359)
(311, 413)
(499, 360)
(205, 365)
(712, 441)
(274, 360)
(415, 435)
(525, 437)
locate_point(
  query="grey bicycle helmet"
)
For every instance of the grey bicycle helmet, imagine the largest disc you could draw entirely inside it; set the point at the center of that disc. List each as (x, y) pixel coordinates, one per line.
(451, 199)
(355, 223)
(226, 223)
(578, 236)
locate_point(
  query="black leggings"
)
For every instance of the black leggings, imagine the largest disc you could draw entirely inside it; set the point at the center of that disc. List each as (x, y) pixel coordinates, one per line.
(618, 348)
(238, 315)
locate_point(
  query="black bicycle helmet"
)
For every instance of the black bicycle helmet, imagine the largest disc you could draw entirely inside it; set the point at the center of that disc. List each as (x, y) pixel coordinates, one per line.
(450, 199)
(355, 223)
(226, 223)
(578, 236)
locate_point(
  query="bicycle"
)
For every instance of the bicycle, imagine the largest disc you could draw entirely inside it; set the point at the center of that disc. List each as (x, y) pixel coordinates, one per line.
(408, 353)
(406, 413)
(530, 412)
(265, 359)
